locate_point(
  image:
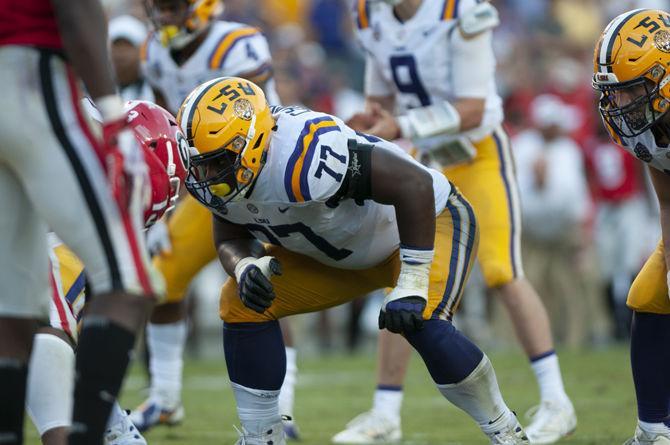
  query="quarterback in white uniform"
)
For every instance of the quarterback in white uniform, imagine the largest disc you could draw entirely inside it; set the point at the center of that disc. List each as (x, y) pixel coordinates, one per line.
(308, 214)
(430, 78)
(631, 61)
(192, 45)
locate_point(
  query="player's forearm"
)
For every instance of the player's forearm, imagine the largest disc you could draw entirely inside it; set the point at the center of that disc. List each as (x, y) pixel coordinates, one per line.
(81, 24)
(232, 252)
(471, 111)
(234, 243)
(409, 188)
(416, 218)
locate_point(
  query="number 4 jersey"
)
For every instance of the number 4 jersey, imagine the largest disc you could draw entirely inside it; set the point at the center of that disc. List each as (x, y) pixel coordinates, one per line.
(230, 49)
(307, 161)
(426, 59)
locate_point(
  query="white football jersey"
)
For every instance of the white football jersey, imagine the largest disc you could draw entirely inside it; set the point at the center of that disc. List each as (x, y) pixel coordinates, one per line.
(426, 59)
(307, 161)
(230, 49)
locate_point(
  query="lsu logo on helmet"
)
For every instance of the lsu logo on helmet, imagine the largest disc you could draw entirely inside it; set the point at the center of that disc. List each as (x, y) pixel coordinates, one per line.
(228, 122)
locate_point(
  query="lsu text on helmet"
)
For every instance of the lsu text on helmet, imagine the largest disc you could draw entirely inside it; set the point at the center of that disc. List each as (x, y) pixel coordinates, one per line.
(178, 22)
(228, 122)
(166, 153)
(631, 65)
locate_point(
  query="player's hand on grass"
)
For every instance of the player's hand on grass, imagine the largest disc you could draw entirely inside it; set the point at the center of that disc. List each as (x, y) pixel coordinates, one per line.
(253, 281)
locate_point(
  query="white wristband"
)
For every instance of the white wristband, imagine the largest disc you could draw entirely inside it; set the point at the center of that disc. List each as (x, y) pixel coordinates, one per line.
(432, 120)
(110, 107)
(262, 263)
(406, 129)
(414, 274)
(416, 256)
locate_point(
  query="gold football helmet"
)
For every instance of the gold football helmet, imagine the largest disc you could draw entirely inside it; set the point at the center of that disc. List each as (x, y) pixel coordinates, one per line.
(631, 66)
(178, 22)
(228, 121)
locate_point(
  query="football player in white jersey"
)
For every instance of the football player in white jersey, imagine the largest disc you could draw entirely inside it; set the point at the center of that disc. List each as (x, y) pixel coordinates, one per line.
(51, 374)
(631, 70)
(191, 46)
(308, 214)
(430, 78)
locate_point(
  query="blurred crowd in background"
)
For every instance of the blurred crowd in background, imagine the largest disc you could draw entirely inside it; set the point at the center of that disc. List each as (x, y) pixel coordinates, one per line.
(589, 219)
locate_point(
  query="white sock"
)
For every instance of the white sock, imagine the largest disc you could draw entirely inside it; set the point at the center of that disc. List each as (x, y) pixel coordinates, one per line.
(287, 391)
(166, 346)
(479, 396)
(655, 428)
(258, 409)
(548, 375)
(116, 416)
(388, 402)
(50, 383)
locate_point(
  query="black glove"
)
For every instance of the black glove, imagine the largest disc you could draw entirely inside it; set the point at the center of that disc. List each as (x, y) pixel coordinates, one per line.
(254, 287)
(403, 315)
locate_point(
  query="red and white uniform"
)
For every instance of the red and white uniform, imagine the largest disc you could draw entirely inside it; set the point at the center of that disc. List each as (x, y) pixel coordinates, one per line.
(29, 23)
(52, 173)
(67, 275)
(620, 206)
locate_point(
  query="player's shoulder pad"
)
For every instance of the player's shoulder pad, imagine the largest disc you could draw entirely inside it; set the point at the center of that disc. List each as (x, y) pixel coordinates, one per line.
(228, 37)
(317, 154)
(146, 46)
(477, 19)
(361, 14)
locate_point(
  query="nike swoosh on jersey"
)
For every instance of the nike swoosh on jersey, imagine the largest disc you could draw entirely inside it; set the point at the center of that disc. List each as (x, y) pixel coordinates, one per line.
(284, 210)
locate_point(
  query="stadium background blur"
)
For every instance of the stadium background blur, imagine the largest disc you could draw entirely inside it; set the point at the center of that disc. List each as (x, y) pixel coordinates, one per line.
(585, 234)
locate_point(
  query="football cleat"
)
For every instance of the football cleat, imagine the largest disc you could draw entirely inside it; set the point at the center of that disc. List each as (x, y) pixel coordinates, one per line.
(124, 433)
(643, 437)
(369, 428)
(290, 428)
(511, 434)
(551, 421)
(273, 436)
(151, 413)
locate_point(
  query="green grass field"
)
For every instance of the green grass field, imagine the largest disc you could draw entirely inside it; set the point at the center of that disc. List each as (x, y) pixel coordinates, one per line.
(332, 389)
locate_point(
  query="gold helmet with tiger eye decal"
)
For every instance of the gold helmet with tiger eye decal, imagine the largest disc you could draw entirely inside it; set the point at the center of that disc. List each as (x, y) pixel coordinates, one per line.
(228, 122)
(631, 66)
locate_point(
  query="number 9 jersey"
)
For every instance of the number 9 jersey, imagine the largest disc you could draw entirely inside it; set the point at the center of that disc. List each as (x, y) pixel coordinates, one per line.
(428, 59)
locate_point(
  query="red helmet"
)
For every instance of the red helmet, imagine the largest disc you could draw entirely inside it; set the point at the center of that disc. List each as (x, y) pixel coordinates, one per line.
(166, 153)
